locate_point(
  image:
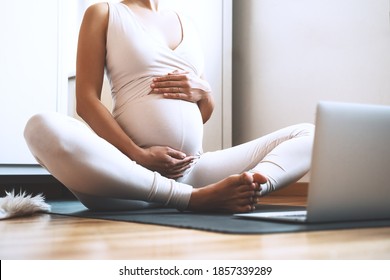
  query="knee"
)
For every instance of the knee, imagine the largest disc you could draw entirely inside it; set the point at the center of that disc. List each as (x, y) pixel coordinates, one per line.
(42, 133)
(304, 129)
(34, 129)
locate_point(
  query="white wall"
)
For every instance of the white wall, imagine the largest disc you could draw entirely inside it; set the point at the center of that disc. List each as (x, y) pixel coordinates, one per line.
(287, 55)
(31, 76)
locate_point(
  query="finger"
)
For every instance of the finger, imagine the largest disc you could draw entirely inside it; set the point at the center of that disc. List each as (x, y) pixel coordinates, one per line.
(174, 90)
(170, 77)
(164, 84)
(170, 90)
(186, 161)
(174, 173)
(179, 154)
(172, 86)
(176, 154)
(181, 96)
(181, 165)
(181, 169)
(170, 173)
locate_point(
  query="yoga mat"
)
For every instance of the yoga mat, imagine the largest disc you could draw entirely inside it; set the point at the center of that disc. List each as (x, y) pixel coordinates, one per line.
(223, 223)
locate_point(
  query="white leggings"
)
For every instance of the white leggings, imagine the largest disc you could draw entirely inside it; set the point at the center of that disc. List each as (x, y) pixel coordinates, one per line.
(103, 178)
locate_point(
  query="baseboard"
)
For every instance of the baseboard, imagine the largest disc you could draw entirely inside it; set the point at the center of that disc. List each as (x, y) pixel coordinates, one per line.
(297, 189)
(34, 184)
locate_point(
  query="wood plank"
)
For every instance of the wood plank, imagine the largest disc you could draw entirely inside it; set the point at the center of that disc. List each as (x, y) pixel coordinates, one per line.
(60, 237)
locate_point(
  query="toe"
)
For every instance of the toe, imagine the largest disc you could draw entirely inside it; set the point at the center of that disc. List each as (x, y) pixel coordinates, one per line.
(259, 178)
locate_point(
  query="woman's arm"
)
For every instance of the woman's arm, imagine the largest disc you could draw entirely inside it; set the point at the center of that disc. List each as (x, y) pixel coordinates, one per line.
(206, 106)
(91, 55)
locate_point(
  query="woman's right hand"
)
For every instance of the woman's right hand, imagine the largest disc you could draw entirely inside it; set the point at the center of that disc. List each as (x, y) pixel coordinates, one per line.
(165, 160)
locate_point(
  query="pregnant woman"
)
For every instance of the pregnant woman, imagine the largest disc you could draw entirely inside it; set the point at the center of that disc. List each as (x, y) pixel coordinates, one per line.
(148, 152)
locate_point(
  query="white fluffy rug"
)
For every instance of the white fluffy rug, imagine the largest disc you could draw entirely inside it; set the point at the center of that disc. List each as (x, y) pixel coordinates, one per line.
(15, 205)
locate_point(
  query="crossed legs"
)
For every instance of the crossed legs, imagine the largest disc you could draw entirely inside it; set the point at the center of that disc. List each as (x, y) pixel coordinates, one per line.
(103, 178)
(283, 157)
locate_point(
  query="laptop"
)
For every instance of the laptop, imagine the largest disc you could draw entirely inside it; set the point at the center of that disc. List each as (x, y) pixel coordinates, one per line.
(350, 171)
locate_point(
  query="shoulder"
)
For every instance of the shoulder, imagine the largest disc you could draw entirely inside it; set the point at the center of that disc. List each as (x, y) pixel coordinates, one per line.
(96, 17)
(97, 12)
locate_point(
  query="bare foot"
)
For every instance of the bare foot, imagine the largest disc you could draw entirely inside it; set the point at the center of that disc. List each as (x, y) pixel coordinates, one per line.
(236, 193)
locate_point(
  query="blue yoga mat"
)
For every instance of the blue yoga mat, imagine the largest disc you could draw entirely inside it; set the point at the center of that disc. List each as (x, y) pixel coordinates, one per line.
(223, 223)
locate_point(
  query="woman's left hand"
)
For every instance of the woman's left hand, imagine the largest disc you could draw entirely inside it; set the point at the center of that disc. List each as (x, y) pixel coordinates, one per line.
(181, 85)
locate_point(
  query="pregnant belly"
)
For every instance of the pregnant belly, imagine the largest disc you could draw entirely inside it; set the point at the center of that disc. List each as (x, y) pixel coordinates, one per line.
(155, 121)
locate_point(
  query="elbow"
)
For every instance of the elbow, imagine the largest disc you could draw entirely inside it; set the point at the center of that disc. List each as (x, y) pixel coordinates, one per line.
(206, 115)
(79, 112)
(81, 108)
(206, 108)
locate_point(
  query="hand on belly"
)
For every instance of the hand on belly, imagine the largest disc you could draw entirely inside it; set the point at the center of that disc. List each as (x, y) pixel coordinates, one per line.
(165, 160)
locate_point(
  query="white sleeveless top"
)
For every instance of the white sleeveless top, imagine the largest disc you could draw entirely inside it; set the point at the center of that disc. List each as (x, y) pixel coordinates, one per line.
(134, 57)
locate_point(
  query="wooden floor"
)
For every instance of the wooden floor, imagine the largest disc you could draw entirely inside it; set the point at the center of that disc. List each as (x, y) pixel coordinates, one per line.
(47, 236)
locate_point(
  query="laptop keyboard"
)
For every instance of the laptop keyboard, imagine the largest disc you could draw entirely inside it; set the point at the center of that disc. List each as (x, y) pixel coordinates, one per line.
(285, 214)
(291, 215)
(281, 215)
